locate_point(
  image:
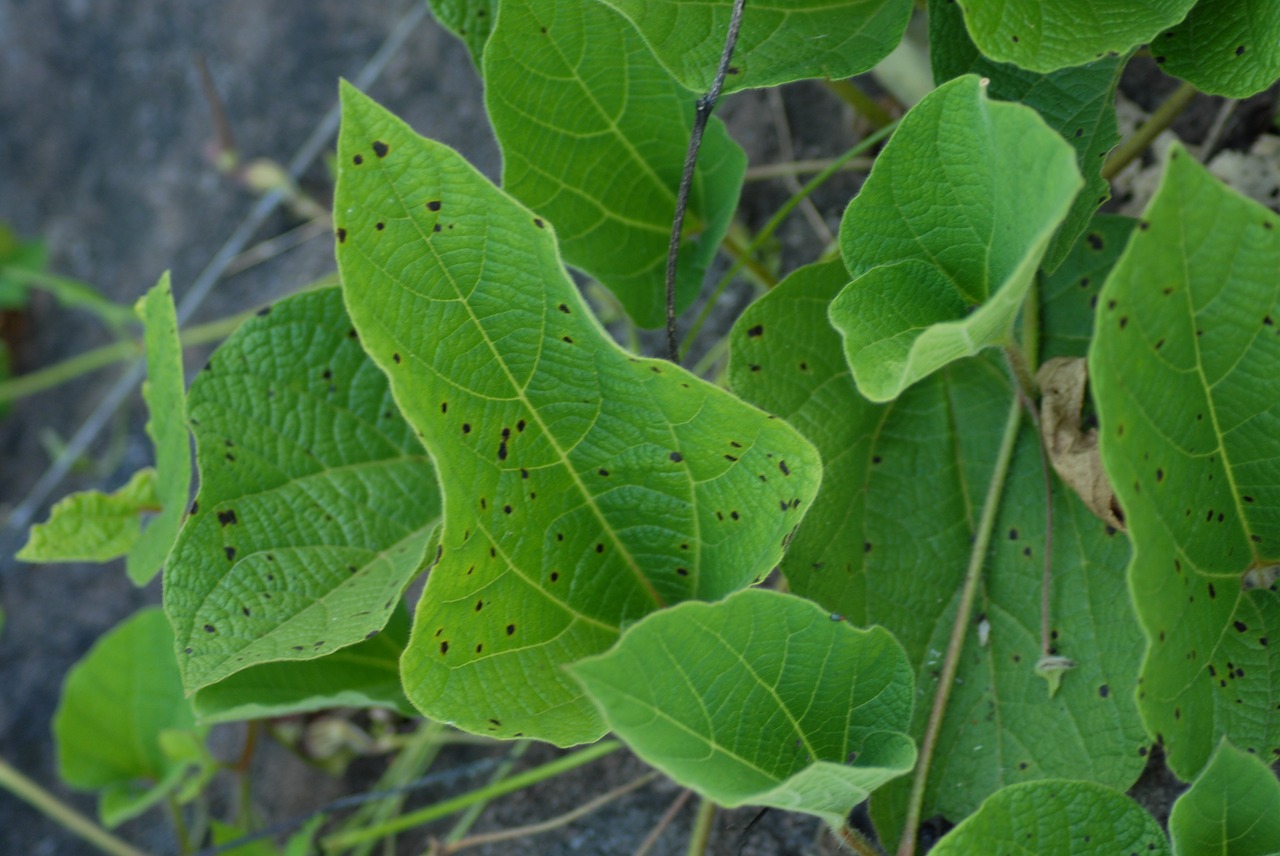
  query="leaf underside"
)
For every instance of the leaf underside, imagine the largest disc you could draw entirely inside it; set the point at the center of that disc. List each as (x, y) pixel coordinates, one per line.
(584, 487)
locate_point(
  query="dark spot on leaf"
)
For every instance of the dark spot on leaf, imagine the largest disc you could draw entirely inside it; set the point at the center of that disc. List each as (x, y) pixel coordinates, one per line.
(730, 458)
(379, 225)
(1240, 626)
(357, 160)
(195, 506)
(1159, 344)
(433, 205)
(479, 647)
(506, 509)
(567, 339)
(1160, 60)
(342, 235)
(502, 450)
(396, 357)
(1240, 50)
(435, 228)
(1143, 225)
(1212, 591)
(756, 331)
(466, 427)
(511, 629)
(1124, 321)
(602, 471)
(1013, 534)
(676, 456)
(444, 648)
(782, 465)
(559, 536)
(230, 457)
(866, 547)
(564, 309)
(599, 548)
(1104, 691)
(733, 514)
(231, 553)
(754, 367)
(1095, 240)
(228, 517)
(537, 222)
(1022, 765)
(684, 572)
(1142, 750)
(555, 575)
(380, 148)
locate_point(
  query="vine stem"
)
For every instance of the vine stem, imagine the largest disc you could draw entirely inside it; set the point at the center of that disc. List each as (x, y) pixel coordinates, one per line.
(663, 822)
(1145, 135)
(66, 817)
(701, 115)
(447, 807)
(700, 837)
(960, 627)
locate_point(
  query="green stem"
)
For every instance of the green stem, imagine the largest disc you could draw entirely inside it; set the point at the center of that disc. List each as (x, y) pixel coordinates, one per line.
(960, 627)
(179, 824)
(99, 358)
(448, 807)
(767, 171)
(64, 815)
(862, 103)
(472, 814)
(74, 294)
(1142, 137)
(776, 220)
(700, 837)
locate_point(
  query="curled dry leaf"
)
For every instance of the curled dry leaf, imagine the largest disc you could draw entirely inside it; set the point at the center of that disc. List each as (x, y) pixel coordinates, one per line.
(1073, 450)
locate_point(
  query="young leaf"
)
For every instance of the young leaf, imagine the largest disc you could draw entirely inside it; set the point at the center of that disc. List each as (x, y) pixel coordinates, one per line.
(1224, 47)
(593, 134)
(316, 501)
(584, 487)
(946, 235)
(469, 20)
(1056, 818)
(1182, 370)
(115, 704)
(1231, 809)
(1045, 37)
(889, 536)
(364, 675)
(1078, 103)
(165, 394)
(778, 42)
(92, 526)
(781, 705)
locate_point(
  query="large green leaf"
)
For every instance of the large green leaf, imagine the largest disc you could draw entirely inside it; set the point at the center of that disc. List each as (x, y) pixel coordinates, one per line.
(1048, 36)
(1070, 295)
(1183, 370)
(316, 501)
(889, 536)
(116, 704)
(1078, 103)
(364, 675)
(469, 20)
(1225, 47)
(780, 40)
(165, 393)
(593, 134)
(947, 233)
(92, 526)
(1231, 809)
(584, 487)
(765, 699)
(1056, 818)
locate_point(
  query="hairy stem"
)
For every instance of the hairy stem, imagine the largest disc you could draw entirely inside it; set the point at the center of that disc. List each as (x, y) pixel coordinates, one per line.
(960, 627)
(706, 104)
(64, 815)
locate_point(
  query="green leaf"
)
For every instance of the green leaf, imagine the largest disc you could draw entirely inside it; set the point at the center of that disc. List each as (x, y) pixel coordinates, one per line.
(469, 20)
(1078, 103)
(946, 235)
(783, 705)
(316, 501)
(1224, 47)
(165, 394)
(1182, 369)
(1055, 818)
(92, 526)
(363, 675)
(888, 539)
(593, 134)
(1048, 36)
(1231, 809)
(1068, 296)
(17, 253)
(779, 41)
(115, 704)
(584, 487)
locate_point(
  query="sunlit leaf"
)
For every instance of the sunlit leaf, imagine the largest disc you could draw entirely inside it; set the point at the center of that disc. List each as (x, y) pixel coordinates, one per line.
(1056, 818)
(593, 134)
(316, 502)
(946, 235)
(779, 41)
(92, 526)
(1231, 809)
(1183, 371)
(584, 487)
(766, 700)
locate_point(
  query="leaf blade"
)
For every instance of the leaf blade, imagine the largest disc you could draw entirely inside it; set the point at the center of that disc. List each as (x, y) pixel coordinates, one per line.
(1231, 809)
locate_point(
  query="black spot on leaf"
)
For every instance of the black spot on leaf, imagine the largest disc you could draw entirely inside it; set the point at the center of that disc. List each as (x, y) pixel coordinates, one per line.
(537, 221)
(380, 148)
(782, 465)
(228, 517)
(342, 235)
(444, 648)
(195, 507)
(1240, 626)
(756, 331)
(209, 628)
(433, 205)
(511, 629)
(599, 548)
(684, 572)
(396, 357)
(357, 160)
(676, 456)
(231, 553)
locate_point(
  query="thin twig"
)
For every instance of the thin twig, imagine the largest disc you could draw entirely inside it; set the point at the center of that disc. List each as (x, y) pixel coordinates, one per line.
(787, 150)
(701, 115)
(555, 822)
(1214, 136)
(764, 172)
(960, 627)
(663, 822)
(1137, 143)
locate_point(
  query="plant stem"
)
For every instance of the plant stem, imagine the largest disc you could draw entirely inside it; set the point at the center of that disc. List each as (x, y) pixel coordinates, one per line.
(555, 822)
(663, 822)
(857, 842)
(448, 807)
(701, 115)
(700, 837)
(473, 813)
(1143, 136)
(64, 815)
(862, 103)
(766, 232)
(960, 627)
(803, 167)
